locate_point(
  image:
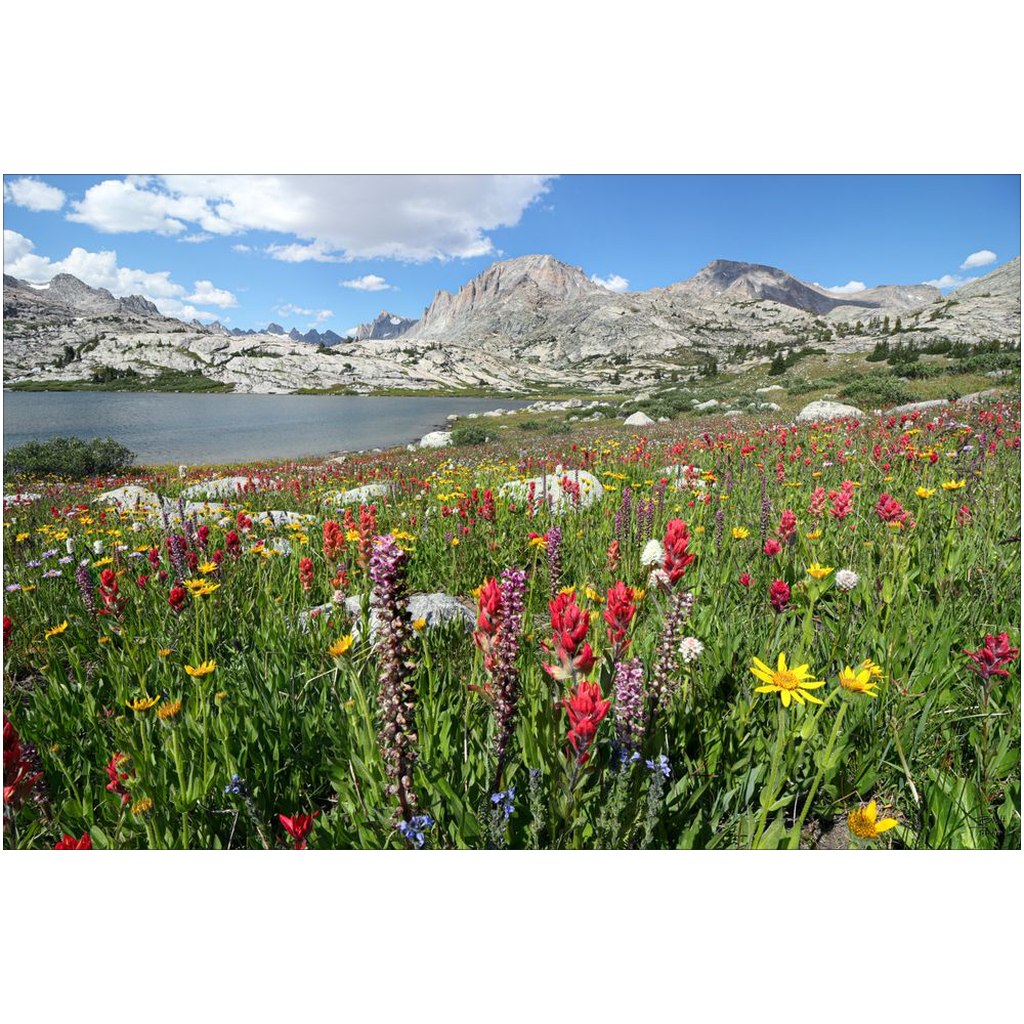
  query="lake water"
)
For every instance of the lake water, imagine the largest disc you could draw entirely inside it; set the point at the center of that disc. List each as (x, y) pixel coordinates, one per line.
(170, 428)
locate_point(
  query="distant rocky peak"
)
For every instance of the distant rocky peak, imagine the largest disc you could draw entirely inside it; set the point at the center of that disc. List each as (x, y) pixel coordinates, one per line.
(386, 326)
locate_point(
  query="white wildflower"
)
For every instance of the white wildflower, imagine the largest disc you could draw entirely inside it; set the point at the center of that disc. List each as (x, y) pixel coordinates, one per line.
(653, 553)
(846, 579)
(691, 649)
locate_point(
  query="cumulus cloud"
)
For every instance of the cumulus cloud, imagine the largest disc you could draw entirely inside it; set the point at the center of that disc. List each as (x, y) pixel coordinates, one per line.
(241, 248)
(367, 283)
(101, 270)
(200, 236)
(207, 295)
(414, 217)
(290, 310)
(350, 332)
(847, 289)
(613, 282)
(981, 258)
(33, 194)
(950, 281)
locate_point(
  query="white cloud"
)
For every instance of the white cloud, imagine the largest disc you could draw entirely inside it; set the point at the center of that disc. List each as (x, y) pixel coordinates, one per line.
(349, 332)
(195, 239)
(33, 194)
(950, 281)
(297, 253)
(207, 295)
(101, 270)
(850, 288)
(613, 282)
(333, 217)
(981, 258)
(367, 283)
(290, 310)
(242, 248)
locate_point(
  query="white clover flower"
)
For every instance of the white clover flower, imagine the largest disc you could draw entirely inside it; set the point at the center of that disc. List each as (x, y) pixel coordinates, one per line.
(846, 579)
(653, 553)
(97, 547)
(691, 649)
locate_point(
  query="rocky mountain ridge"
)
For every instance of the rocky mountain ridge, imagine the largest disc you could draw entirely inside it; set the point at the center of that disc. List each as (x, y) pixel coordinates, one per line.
(522, 323)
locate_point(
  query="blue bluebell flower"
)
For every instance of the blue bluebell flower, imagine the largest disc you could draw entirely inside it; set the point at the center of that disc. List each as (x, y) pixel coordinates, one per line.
(414, 830)
(661, 765)
(505, 801)
(236, 786)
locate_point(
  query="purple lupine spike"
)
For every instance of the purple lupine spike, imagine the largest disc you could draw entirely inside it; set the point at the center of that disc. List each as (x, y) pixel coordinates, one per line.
(554, 559)
(84, 580)
(662, 684)
(506, 673)
(397, 699)
(629, 705)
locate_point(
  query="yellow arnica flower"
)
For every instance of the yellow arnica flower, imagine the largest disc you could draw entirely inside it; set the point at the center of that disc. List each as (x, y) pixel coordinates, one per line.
(638, 593)
(593, 595)
(813, 535)
(923, 492)
(203, 669)
(142, 703)
(857, 682)
(863, 822)
(740, 533)
(419, 624)
(819, 572)
(872, 668)
(340, 646)
(208, 567)
(953, 485)
(169, 711)
(109, 561)
(142, 806)
(791, 683)
(164, 651)
(568, 590)
(57, 630)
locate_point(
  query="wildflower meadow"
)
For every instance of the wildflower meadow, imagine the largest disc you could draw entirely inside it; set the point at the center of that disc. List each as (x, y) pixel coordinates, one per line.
(736, 637)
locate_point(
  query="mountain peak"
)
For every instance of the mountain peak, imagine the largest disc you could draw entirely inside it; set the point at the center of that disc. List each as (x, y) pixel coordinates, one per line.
(384, 328)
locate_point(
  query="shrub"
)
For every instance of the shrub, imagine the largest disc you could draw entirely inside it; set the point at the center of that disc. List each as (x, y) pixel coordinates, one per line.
(878, 389)
(68, 457)
(530, 425)
(468, 435)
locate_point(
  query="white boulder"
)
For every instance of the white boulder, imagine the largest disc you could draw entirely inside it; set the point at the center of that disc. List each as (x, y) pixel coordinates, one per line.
(823, 410)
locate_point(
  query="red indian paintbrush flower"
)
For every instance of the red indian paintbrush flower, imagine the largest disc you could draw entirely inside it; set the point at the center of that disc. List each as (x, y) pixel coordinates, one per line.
(569, 624)
(677, 557)
(779, 594)
(306, 573)
(71, 843)
(990, 658)
(233, 544)
(298, 827)
(889, 510)
(787, 526)
(488, 621)
(620, 607)
(586, 711)
(117, 777)
(334, 540)
(772, 547)
(8, 627)
(176, 598)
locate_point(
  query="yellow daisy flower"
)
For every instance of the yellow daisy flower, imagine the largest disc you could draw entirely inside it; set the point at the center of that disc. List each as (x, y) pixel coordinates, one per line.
(57, 630)
(819, 572)
(142, 703)
(203, 669)
(419, 624)
(858, 682)
(340, 646)
(953, 485)
(923, 492)
(791, 683)
(740, 533)
(863, 822)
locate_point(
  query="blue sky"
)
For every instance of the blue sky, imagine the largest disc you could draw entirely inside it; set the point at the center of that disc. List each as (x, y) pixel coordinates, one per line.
(332, 252)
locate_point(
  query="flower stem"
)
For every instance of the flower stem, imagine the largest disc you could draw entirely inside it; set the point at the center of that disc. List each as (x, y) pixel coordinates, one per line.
(794, 839)
(771, 780)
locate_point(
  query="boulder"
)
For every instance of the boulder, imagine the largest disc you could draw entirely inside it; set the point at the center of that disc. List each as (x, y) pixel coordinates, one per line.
(711, 403)
(822, 410)
(436, 608)
(129, 497)
(638, 419)
(910, 407)
(733, 413)
(221, 487)
(437, 439)
(591, 489)
(356, 496)
(769, 389)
